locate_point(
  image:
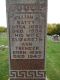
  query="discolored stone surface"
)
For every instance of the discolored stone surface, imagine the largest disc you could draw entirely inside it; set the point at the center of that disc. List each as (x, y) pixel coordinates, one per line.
(26, 21)
(27, 64)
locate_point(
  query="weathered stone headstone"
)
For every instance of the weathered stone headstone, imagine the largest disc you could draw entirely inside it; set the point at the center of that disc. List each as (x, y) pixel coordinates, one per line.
(56, 38)
(27, 30)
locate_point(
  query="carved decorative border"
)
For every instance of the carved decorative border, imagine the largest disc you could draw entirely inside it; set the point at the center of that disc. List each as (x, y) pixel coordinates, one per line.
(27, 74)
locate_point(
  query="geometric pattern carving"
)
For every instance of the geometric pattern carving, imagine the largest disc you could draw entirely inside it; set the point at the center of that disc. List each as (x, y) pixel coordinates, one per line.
(27, 74)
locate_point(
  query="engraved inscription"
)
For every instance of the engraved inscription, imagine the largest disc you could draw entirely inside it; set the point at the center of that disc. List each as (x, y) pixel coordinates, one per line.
(27, 30)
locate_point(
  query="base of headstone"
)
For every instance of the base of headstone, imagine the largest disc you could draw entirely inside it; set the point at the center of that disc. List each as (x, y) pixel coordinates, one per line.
(46, 78)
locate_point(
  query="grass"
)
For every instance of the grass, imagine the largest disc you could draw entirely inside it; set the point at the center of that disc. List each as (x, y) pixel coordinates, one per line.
(3, 39)
(3, 64)
(52, 59)
(3, 57)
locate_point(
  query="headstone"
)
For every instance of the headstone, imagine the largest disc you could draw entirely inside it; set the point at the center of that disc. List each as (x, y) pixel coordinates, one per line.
(26, 21)
(56, 37)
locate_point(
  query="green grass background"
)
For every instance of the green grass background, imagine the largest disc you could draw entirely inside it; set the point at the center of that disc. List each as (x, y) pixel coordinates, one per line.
(3, 57)
(52, 59)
